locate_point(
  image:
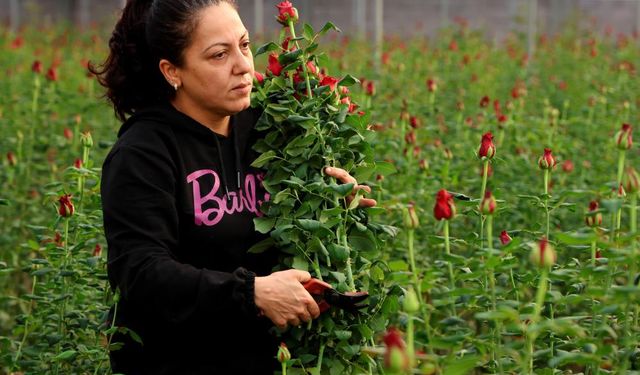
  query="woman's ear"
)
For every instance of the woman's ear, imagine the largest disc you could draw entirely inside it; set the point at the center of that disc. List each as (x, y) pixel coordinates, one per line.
(170, 73)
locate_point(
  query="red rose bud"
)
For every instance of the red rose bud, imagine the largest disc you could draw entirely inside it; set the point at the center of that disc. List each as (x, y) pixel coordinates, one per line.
(623, 137)
(432, 86)
(396, 358)
(283, 353)
(484, 102)
(547, 161)
(370, 88)
(11, 159)
(416, 151)
(78, 163)
(286, 13)
(311, 68)
(414, 122)
(496, 107)
(488, 204)
(620, 191)
(97, 251)
(68, 133)
(297, 78)
(444, 208)
(285, 44)
(543, 254)
(410, 217)
(66, 208)
(504, 237)
(487, 148)
(423, 164)
(17, 42)
(36, 67)
(567, 166)
(591, 219)
(332, 82)
(52, 74)
(344, 90)
(274, 65)
(259, 78)
(631, 181)
(410, 137)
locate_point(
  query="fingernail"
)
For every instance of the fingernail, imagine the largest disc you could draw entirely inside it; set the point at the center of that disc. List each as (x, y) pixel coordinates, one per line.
(328, 169)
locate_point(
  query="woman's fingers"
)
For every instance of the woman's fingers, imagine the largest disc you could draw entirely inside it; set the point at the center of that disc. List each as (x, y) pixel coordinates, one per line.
(344, 177)
(340, 174)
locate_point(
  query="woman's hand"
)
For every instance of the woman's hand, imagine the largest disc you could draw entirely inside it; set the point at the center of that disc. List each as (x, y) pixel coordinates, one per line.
(282, 298)
(346, 178)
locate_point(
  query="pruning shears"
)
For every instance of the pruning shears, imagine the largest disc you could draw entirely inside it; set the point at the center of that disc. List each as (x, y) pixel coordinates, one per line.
(326, 296)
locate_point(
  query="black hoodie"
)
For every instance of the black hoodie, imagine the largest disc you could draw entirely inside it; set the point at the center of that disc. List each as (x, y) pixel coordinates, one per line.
(179, 202)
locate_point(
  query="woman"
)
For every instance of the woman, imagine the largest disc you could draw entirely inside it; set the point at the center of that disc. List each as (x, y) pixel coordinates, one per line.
(179, 197)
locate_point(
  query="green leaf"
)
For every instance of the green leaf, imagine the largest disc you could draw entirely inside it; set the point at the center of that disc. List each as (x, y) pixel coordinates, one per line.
(338, 253)
(66, 355)
(262, 246)
(328, 26)
(362, 242)
(264, 224)
(271, 46)
(385, 168)
(342, 334)
(300, 263)
(577, 238)
(289, 57)
(307, 32)
(576, 358)
(309, 224)
(460, 366)
(263, 159)
(342, 190)
(348, 80)
(398, 265)
(42, 271)
(4, 202)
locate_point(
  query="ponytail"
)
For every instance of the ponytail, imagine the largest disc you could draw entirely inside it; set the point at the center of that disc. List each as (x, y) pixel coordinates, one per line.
(147, 31)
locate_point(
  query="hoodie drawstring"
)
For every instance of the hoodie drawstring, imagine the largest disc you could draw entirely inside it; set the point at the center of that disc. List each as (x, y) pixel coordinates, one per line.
(238, 163)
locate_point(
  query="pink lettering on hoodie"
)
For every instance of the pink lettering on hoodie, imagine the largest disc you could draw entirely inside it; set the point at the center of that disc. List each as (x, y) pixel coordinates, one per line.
(242, 200)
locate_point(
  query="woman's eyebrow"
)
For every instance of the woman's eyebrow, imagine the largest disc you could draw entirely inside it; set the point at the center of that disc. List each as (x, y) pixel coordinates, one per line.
(246, 34)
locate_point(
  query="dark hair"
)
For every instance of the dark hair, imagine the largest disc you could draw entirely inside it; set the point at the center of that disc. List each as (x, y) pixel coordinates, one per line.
(148, 31)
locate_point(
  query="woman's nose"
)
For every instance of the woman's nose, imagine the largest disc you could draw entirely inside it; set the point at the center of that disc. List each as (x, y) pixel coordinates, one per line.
(243, 63)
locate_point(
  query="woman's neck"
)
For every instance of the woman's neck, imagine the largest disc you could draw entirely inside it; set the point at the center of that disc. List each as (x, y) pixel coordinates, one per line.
(216, 123)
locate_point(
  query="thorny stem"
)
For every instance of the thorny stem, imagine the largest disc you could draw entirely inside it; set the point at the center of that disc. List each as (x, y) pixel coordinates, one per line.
(447, 247)
(497, 333)
(26, 323)
(416, 281)
(304, 60)
(546, 198)
(531, 338)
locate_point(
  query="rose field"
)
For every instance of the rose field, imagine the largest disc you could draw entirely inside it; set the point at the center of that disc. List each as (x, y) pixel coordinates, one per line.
(505, 236)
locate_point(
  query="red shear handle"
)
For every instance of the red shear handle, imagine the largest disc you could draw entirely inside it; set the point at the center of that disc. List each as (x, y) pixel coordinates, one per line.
(316, 288)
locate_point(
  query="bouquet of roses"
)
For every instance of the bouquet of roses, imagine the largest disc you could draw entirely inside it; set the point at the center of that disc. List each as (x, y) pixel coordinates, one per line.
(309, 123)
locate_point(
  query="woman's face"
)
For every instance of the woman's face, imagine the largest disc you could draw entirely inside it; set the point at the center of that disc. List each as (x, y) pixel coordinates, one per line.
(217, 72)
